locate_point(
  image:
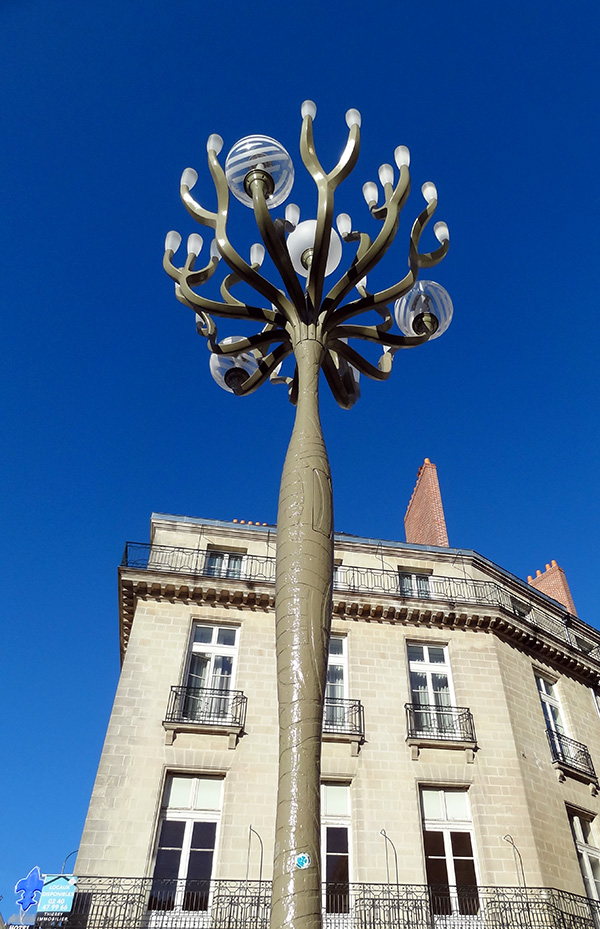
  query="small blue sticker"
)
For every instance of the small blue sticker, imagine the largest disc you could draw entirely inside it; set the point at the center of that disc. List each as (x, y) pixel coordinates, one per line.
(303, 861)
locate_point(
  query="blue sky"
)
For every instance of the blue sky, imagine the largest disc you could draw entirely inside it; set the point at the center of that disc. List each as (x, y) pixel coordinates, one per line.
(109, 411)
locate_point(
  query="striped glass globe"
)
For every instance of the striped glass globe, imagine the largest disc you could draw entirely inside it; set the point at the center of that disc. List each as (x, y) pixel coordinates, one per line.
(425, 297)
(259, 153)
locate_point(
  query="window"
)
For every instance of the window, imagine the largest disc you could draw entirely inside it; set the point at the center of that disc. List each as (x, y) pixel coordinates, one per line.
(587, 852)
(552, 716)
(414, 585)
(449, 851)
(431, 691)
(186, 843)
(224, 564)
(336, 687)
(210, 674)
(335, 846)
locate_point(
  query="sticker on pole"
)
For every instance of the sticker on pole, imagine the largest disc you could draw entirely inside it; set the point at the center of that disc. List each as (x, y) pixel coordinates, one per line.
(303, 861)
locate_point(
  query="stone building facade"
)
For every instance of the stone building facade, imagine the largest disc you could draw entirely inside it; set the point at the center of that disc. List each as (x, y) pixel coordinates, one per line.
(461, 729)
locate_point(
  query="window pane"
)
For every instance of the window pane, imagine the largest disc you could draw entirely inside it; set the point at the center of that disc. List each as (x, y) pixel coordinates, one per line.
(437, 655)
(432, 807)
(171, 834)
(422, 585)
(406, 585)
(434, 843)
(441, 689)
(337, 839)
(203, 634)
(415, 653)
(234, 566)
(418, 688)
(457, 805)
(167, 863)
(336, 646)
(226, 636)
(203, 836)
(336, 800)
(208, 796)
(337, 869)
(179, 792)
(461, 845)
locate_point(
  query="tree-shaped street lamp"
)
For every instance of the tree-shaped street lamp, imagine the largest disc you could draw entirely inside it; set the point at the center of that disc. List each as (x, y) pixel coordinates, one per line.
(316, 326)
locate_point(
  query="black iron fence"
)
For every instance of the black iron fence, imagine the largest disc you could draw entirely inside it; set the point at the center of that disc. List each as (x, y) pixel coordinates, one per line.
(452, 590)
(571, 754)
(439, 723)
(207, 706)
(144, 903)
(345, 717)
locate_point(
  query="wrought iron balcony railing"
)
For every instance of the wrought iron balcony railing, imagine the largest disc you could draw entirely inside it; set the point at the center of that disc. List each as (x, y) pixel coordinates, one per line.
(439, 723)
(144, 903)
(344, 717)
(452, 590)
(207, 706)
(571, 754)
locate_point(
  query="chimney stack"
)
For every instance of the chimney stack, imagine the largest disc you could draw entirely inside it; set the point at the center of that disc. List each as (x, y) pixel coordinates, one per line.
(424, 522)
(553, 583)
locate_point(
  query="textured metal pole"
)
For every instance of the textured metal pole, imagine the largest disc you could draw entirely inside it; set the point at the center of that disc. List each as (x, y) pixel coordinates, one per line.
(303, 617)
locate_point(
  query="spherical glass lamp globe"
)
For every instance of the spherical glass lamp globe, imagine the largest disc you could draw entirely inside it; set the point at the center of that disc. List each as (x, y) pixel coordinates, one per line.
(425, 297)
(263, 154)
(230, 371)
(301, 243)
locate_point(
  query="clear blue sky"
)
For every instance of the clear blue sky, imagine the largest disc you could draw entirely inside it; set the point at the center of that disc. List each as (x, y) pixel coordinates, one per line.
(109, 410)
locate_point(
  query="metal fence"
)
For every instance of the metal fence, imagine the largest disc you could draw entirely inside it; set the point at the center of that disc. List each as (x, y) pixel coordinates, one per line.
(571, 754)
(439, 723)
(345, 717)
(144, 903)
(207, 706)
(452, 590)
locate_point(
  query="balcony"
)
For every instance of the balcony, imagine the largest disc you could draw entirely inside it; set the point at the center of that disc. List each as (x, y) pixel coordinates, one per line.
(429, 726)
(375, 581)
(144, 903)
(571, 757)
(206, 709)
(344, 721)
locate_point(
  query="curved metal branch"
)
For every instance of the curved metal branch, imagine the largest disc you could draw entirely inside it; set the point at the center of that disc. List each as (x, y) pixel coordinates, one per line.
(363, 265)
(357, 361)
(206, 217)
(277, 248)
(326, 185)
(266, 365)
(374, 334)
(336, 384)
(248, 343)
(231, 256)
(243, 311)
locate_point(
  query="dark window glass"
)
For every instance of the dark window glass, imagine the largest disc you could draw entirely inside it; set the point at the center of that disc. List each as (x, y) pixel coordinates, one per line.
(337, 891)
(337, 840)
(461, 844)
(434, 843)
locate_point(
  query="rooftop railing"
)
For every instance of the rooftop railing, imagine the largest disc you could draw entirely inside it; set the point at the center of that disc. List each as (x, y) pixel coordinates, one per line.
(146, 903)
(452, 590)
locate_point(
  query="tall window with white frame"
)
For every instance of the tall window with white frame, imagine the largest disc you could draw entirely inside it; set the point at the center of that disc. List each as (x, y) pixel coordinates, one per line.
(588, 852)
(449, 852)
(210, 674)
(187, 839)
(431, 691)
(336, 846)
(336, 689)
(553, 717)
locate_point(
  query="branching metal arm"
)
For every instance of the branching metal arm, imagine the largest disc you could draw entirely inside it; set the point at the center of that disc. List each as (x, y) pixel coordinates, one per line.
(266, 366)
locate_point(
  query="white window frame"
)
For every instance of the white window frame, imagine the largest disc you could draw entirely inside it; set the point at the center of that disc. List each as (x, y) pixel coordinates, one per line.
(217, 705)
(550, 700)
(226, 570)
(416, 584)
(189, 815)
(447, 826)
(335, 715)
(586, 852)
(444, 722)
(339, 821)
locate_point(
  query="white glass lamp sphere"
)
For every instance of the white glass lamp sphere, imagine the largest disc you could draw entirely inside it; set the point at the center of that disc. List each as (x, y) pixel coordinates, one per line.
(301, 243)
(230, 371)
(425, 297)
(259, 153)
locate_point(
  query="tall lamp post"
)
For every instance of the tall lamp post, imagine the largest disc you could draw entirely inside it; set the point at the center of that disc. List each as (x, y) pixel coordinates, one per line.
(314, 325)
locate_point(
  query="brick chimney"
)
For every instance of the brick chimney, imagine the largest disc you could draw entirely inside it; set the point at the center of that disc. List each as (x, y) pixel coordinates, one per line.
(553, 583)
(424, 522)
